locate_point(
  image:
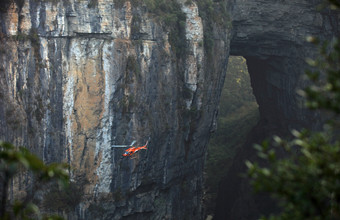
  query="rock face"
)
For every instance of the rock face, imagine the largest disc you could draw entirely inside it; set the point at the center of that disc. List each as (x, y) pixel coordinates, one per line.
(79, 77)
(271, 36)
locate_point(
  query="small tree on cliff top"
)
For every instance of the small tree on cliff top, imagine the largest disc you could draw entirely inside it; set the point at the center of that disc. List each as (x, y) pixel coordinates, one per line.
(306, 182)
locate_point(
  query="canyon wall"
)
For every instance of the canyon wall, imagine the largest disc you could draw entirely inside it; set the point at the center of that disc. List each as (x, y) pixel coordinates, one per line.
(79, 77)
(271, 35)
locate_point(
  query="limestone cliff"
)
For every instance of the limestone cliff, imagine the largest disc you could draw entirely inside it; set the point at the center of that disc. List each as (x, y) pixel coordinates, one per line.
(79, 77)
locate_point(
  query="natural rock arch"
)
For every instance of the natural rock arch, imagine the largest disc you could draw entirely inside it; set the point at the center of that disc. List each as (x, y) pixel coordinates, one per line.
(271, 35)
(75, 81)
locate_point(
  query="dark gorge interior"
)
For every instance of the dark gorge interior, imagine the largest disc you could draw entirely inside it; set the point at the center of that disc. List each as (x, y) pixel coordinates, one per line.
(272, 38)
(79, 78)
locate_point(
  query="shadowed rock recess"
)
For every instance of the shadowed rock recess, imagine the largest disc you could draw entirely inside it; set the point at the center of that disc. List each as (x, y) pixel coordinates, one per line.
(271, 35)
(78, 77)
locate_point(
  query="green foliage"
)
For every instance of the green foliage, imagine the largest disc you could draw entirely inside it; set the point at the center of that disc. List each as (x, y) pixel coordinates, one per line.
(238, 114)
(213, 13)
(34, 37)
(216, 11)
(93, 4)
(231, 133)
(306, 180)
(15, 160)
(132, 67)
(239, 90)
(325, 92)
(170, 13)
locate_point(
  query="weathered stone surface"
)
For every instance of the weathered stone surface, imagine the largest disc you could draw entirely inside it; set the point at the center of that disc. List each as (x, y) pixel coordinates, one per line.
(78, 79)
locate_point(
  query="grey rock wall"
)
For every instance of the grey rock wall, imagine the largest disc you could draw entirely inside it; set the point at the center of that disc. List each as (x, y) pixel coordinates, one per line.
(271, 35)
(79, 77)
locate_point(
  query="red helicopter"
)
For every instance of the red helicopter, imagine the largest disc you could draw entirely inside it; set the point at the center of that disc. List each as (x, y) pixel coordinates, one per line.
(132, 150)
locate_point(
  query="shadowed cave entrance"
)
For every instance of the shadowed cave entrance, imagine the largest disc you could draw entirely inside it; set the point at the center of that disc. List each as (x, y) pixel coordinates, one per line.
(238, 114)
(276, 74)
(274, 82)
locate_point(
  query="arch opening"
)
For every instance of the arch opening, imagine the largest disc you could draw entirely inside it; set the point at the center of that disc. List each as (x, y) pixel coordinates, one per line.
(276, 74)
(238, 114)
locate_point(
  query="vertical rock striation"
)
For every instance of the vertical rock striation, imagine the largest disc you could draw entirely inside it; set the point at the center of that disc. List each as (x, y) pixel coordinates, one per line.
(79, 77)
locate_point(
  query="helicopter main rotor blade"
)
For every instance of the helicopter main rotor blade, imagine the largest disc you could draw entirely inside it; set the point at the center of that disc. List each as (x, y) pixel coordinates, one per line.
(114, 146)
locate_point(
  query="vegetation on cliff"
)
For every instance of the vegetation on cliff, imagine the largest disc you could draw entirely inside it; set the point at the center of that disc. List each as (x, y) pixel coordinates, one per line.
(238, 114)
(305, 181)
(15, 162)
(169, 13)
(214, 14)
